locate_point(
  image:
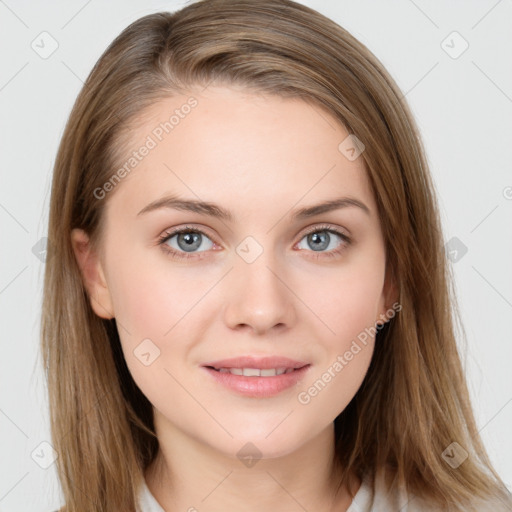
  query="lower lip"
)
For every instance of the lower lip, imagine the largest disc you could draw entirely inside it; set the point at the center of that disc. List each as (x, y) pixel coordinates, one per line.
(258, 387)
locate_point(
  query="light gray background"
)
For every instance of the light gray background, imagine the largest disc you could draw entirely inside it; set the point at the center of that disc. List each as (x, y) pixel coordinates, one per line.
(463, 107)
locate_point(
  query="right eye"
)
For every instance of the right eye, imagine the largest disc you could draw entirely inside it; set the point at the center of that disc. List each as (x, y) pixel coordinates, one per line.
(188, 239)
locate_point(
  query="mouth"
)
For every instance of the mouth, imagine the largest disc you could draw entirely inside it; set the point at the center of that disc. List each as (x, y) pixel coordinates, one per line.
(257, 363)
(254, 372)
(257, 377)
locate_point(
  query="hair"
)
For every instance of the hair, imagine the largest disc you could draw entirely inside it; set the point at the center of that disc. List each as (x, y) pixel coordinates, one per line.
(413, 402)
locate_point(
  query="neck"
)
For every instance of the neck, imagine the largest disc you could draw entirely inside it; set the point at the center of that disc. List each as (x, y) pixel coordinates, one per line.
(188, 475)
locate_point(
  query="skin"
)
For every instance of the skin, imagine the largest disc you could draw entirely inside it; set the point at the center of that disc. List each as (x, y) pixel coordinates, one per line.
(261, 157)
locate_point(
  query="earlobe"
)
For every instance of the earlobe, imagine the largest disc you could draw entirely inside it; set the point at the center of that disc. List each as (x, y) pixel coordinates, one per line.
(92, 274)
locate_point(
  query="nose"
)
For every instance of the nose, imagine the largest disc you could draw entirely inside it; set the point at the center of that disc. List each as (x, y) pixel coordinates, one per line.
(258, 297)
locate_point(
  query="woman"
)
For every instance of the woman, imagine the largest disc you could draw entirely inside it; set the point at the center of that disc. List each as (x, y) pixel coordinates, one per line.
(249, 304)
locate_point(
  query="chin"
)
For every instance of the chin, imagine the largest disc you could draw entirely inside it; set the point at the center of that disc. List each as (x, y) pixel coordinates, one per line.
(269, 444)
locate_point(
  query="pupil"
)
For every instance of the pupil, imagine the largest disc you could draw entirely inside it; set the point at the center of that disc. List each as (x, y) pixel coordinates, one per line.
(190, 239)
(317, 237)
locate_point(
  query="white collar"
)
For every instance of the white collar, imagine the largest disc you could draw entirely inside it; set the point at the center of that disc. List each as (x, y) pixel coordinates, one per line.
(147, 502)
(361, 503)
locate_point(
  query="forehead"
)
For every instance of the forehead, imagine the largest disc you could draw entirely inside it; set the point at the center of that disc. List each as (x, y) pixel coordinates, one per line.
(240, 149)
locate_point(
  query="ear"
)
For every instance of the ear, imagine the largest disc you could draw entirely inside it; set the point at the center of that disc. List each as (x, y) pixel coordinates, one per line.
(389, 298)
(93, 275)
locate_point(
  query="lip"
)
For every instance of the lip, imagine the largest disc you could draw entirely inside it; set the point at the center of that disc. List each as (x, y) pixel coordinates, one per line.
(257, 362)
(257, 387)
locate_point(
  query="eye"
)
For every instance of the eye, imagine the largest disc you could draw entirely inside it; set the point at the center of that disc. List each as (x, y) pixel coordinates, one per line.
(185, 242)
(187, 239)
(321, 238)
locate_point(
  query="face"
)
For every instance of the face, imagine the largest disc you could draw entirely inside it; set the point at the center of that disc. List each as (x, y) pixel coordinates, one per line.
(261, 281)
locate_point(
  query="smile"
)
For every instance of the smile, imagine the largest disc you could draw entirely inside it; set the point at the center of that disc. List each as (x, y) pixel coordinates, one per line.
(256, 382)
(255, 372)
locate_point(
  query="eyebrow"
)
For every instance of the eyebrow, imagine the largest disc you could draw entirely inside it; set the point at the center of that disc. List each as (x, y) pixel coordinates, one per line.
(216, 211)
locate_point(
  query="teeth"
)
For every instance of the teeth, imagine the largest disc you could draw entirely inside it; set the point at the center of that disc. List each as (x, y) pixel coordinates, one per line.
(256, 372)
(251, 372)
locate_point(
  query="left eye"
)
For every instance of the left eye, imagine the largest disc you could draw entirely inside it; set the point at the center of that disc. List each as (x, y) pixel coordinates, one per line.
(321, 239)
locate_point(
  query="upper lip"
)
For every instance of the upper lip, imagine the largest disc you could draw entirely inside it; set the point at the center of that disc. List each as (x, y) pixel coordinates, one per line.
(257, 362)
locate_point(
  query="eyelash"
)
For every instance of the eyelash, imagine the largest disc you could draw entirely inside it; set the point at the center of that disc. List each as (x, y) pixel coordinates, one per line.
(188, 229)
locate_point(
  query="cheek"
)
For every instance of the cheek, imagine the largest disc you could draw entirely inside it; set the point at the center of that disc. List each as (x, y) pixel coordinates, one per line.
(158, 312)
(347, 302)
(150, 299)
(143, 303)
(347, 353)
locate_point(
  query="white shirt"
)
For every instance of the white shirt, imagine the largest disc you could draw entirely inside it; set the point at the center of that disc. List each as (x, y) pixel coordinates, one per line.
(364, 500)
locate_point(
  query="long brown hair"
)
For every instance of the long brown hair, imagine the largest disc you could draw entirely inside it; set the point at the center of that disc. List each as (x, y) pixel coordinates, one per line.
(413, 402)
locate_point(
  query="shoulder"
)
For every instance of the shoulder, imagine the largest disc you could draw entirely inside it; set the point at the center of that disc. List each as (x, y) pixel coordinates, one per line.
(383, 494)
(390, 495)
